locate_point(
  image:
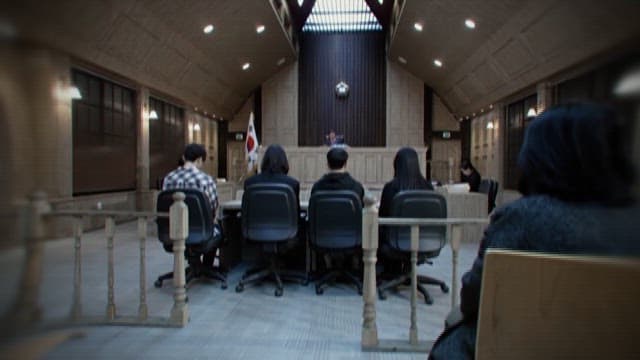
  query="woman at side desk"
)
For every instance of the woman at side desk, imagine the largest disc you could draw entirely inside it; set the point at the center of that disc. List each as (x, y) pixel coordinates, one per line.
(576, 181)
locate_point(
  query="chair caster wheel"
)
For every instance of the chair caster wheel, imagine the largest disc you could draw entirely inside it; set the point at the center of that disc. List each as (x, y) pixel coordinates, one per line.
(319, 290)
(223, 286)
(239, 288)
(444, 288)
(278, 292)
(157, 283)
(428, 301)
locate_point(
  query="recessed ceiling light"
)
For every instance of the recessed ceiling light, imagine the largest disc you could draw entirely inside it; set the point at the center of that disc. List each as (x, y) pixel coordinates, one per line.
(208, 29)
(402, 60)
(246, 66)
(437, 62)
(470, 24)
(300, 2)
(380, 1)
(281, 61)
(417, 26)
(260, 29)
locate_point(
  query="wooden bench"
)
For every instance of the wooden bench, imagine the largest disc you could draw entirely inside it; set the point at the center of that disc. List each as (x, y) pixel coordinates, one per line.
(540, 306)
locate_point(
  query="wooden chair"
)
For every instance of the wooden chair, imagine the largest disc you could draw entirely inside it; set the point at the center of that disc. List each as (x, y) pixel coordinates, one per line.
(540, 306)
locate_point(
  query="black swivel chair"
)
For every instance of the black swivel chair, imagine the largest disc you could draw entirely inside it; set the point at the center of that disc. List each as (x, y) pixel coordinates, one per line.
(489, 187)
(396, 242)
(270, 218)
(201, 239)
(335, 227)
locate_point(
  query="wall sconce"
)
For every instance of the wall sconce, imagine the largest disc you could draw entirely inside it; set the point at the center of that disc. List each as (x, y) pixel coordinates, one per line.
(490, 125)
(532, 112)
(342, 89)
(196, 127)
(153, 115)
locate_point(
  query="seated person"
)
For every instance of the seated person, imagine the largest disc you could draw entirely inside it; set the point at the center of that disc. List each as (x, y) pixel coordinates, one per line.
(274, 169)
(190, 176)
(338, 178)
(332, 139)
(470, 175)
(406, 176)
(576, 181)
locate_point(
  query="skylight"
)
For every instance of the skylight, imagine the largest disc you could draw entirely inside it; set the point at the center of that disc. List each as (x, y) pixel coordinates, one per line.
(341, 15)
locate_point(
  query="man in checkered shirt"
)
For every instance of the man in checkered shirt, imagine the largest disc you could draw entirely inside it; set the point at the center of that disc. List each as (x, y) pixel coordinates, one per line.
(189, 176)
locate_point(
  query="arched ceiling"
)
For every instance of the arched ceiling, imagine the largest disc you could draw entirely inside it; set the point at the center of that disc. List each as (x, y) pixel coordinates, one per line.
(160, 43)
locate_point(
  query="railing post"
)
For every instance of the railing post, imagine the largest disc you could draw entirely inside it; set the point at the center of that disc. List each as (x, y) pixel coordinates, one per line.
(26, 310)
(456, 238)
(109, 229)
(76, 307)
(369, 249)
(178, 232)
(142, 235)
(413, 329)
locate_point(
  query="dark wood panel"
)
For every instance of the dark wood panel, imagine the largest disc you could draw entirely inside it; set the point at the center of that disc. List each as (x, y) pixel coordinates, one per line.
(359, 60)
(104, 136)
(223, 127)
(166, 139)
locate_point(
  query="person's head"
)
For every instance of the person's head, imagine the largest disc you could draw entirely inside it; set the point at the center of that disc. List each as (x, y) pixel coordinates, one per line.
(195, 153)
(406, 169)
(576, 152)
(332, 136)
(275, 161)
(466, 167)
(337, 158)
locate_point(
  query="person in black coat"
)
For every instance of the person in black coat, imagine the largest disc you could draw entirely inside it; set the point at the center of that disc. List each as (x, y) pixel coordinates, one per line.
(577, 185)
(406, 176)
(338, 178)
(274, 169)
(470, 175)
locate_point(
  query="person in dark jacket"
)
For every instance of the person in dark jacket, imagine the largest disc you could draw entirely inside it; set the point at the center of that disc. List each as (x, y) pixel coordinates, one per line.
(274, 169)
(577, 185)
(406, 176)
(470, 175)
(338, 178)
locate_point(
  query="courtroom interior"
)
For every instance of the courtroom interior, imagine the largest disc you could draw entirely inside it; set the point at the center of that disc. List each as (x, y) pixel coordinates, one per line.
(370, 151)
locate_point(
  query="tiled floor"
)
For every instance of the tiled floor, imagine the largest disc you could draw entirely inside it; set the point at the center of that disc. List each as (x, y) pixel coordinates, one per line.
(224, 324)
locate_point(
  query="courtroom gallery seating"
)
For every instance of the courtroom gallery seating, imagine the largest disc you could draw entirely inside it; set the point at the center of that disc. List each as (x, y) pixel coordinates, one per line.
(270, 218)
(396, 242)
(335, 230)
(201, 237)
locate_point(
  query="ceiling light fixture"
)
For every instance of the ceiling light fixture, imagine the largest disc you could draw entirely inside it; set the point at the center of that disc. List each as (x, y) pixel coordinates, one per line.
(417, 26)
(380, 1)
(490, 125)
(153, 115)
(74, 93)
(532, 112)
(260, 29)
(437, 62)
(208, 29)
(402, 60)
(196, 127)
(491, 106)
(246, 66)
(300, 2)
(470, 24)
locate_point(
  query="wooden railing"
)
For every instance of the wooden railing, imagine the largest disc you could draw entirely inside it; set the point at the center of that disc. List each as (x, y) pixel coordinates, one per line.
(27, 313)
(370, 223)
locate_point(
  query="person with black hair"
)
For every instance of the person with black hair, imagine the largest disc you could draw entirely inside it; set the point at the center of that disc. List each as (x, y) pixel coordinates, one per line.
(274, 169)
(577, 182)
(470, 175)
(190, 176)
(406, 176)
(338, 178)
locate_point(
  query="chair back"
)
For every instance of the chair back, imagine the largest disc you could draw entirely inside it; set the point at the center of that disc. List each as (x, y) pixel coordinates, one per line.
(485, 186)
(335, 219)
(489, 187)
(200, 217)
(418, 204)
(269, 213)
(543, 306)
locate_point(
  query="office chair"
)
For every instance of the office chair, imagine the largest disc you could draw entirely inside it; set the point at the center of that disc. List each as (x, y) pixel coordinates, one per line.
(335, 227)
(490, 188)
(270, 218)
(396, 244)
(201, 239)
